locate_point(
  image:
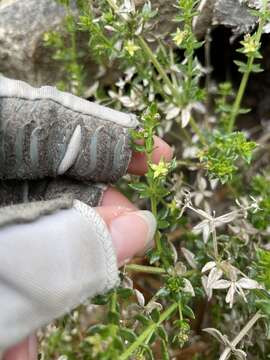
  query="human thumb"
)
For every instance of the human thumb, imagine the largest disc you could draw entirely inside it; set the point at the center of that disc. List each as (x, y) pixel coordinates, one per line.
(132, 232)
(51, 265)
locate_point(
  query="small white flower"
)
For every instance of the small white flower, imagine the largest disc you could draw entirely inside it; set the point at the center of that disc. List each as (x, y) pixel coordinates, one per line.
(223, 339)
(217, 335)
(140, 298)
(208, 266)
(209, 292)
(120, 83)
(172, 112)
(130, 73)
(186, 115)
(245, 205)
(139, 29)
(180, 268)
(153, 305)
(174, 252)
(266, 28)
(127, 8)
(202, 191)
(190, 152)
(203, 227)
(214, 183)
(188, 288)
(190, 257)
(110, 28)
(199, 107)
(127, 282)
(213, 277)
(62, 357)
(236, 287)
(207, 226)
(167, 89)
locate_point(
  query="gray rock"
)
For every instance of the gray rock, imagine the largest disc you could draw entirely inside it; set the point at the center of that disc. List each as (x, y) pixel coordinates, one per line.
(232, 13)
(22, 52)
(167, 12)
(24, 22)
(203, 21)
(22, 26)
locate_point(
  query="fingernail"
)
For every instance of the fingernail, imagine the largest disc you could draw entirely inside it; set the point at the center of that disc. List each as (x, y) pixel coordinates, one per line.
(132, 234)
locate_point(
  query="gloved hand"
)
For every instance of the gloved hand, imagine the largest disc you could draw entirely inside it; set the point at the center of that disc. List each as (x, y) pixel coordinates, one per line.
(54, 254)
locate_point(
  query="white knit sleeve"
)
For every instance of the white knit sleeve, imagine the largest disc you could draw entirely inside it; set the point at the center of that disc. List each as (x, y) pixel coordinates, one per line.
(51, 265)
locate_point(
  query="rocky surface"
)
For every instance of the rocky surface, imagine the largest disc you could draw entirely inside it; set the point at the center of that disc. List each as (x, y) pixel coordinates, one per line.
(24, 22)
(232, 13)
(22, 26)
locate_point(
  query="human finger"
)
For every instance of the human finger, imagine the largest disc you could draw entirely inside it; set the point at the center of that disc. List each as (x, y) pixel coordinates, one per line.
(138, 163)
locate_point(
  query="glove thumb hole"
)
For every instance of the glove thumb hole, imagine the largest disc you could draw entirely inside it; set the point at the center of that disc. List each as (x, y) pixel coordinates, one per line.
(132, 231)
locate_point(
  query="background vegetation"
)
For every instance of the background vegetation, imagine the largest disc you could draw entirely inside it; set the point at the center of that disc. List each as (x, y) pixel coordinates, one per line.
(203, 292)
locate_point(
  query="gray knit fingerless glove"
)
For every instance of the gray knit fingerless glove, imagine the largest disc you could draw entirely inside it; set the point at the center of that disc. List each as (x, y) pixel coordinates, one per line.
(46, 132)
(18, 192)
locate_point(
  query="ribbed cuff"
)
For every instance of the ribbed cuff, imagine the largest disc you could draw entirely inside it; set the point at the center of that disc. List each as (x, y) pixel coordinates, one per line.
(104, 238)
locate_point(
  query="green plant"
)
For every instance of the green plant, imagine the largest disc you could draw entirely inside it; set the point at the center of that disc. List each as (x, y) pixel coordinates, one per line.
(212, 236)
(68, 53)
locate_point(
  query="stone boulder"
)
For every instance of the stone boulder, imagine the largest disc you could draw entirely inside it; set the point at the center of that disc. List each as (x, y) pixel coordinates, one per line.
(24, 22)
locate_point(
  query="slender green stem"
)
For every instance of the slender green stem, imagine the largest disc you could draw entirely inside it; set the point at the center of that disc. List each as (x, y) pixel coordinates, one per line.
(145, 269)
(174, 91)
(154, 206)
(215, 243)
(76, 73)
(160, 69)
(240, 94)
(113, 5)
(113, 301)
(157, 235)
(183, 135)
(188, 163)
(189, 74)
(180, 311)
(147, 332)
(93, 27)
(245, 78)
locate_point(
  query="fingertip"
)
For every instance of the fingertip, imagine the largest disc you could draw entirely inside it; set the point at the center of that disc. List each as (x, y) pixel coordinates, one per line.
(131, 231)
(113, 197)
(26, 350)
(138, 163)
(162, 150)
(109, 213)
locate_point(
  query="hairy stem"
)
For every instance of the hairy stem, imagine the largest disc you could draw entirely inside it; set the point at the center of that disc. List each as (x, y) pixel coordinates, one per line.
(240, 336)
(215, 242)
(160, 69)
(113, 301)
(147, 332)
(145, 269)
(245, 78)
(174, 91)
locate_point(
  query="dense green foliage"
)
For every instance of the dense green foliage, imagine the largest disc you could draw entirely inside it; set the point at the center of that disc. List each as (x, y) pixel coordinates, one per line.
(211, 260)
